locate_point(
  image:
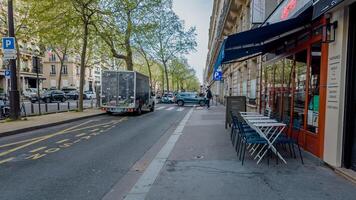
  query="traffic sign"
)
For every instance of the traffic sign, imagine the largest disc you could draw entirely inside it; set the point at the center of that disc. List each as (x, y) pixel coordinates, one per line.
(217, 74)
(8, 47)
(7, 74)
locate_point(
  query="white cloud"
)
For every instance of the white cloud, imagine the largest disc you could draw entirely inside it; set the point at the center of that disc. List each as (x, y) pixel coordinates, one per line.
(196, 13)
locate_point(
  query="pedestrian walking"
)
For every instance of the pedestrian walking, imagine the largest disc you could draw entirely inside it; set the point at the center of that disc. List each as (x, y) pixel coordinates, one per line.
(209, 95)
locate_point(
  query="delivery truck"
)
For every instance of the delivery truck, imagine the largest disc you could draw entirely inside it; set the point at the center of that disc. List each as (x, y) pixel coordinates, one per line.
(126, 92)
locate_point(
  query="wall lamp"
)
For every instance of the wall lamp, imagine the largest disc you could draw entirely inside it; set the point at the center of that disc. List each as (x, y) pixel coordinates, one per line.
(329, 32)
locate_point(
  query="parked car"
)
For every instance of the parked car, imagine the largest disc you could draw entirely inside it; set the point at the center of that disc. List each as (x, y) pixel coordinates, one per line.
(89, 95)
(167, 98)
(190, 98)
(29, 92)
(72, 95)
(50, 96)
(68, 89)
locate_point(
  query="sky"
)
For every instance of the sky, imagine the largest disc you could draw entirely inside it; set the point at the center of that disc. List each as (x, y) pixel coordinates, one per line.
(196, 13)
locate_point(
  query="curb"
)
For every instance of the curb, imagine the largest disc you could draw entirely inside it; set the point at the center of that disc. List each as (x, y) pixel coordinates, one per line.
(15, 132)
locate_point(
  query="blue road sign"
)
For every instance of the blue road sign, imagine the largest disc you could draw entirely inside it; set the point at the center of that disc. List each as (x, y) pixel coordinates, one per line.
(8, 43)
(218, 74)
(7, 73)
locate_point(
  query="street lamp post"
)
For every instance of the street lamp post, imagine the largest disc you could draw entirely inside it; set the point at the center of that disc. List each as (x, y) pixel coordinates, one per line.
(14, 93)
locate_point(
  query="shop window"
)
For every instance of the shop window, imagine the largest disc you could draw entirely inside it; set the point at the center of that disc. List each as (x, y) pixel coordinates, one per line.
(300, 87)
(314, 83)
(287, 87)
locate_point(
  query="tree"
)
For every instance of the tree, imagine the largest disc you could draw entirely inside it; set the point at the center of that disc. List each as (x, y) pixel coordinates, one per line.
(80, 15)
(22, 31)
(171, 38)
(123, 20)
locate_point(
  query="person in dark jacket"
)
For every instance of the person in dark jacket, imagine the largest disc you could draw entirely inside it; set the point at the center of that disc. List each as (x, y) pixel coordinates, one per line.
(209, 95)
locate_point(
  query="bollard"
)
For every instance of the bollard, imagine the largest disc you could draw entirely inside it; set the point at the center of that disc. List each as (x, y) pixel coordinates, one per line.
(32, 109)
(68, 106)
(91, 103)
(58, 108)
(46, 107)
(77, 104)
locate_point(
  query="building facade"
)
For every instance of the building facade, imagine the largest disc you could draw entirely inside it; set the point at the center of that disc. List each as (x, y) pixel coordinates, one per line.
(299, 64)
(70, 73)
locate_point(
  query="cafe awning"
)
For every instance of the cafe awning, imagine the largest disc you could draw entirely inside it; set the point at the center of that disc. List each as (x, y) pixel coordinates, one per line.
(247, 44)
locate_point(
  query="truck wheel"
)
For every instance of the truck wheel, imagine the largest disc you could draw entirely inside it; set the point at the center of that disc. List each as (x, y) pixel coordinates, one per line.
(180, 103)
(202, 103)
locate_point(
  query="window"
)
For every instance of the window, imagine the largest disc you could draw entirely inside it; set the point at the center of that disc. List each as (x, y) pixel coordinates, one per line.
(77, 71)
(300, 87)
(64, 69)
(52, 57)
(313, 85)
(53, 69)
(65, 58)
(287, 87)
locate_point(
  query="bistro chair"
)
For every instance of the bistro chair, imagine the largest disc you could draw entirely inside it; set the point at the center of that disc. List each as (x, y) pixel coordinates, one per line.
(247, 139)
(290, 140)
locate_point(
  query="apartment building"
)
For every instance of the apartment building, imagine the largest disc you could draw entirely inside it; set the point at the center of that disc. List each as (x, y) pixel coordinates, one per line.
(70, 73)
(299, 63)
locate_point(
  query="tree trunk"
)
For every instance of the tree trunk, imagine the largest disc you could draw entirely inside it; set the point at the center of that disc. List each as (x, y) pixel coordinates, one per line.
(82, 65)
(166, 74)
(128, 59)
(60, 74)
(162, 81)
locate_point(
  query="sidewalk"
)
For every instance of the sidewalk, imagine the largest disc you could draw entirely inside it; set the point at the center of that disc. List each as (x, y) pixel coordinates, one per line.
(203, 166)
(37, 122)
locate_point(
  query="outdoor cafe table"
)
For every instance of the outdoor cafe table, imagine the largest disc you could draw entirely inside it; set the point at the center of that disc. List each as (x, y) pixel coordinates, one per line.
(254, 121)
(269, 130)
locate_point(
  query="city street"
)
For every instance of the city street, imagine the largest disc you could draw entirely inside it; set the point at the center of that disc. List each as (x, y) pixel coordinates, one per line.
(80, 160)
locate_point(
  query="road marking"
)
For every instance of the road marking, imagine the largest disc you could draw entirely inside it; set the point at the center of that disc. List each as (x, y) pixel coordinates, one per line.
(180, 109)
(61, 141)
(95, 130)
(170, 108)
(6, 160)
(42, 139)
(80, 135)
(160, 108)
(38, 149)
(29, 142)
(145, 182)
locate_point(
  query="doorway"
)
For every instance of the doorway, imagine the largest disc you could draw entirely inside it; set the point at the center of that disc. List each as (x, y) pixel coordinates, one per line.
(349, 156)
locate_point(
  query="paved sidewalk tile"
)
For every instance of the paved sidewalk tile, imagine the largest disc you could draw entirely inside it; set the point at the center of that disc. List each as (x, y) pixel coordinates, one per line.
(43, 120)
(203, 165)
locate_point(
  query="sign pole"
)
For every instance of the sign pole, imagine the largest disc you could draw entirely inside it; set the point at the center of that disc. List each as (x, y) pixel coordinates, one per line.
(14, 93)
(36, 65)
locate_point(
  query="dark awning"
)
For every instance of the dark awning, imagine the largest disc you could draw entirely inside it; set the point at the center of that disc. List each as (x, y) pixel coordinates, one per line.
(257, 41)
(322, 6)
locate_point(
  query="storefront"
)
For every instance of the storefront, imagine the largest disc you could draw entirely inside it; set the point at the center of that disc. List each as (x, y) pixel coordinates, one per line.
(293, 69)
(293, 80)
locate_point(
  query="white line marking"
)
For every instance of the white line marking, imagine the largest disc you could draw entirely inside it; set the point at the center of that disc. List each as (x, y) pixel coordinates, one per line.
(145, 182)
(160, 108)
(180, 109)
(170, 108)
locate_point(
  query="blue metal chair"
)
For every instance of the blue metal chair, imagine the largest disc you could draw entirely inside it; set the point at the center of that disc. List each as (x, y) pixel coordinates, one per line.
(247, 138)
(290, 140)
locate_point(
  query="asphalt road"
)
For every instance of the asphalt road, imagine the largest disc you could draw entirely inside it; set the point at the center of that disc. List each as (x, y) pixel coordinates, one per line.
(81, 160)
